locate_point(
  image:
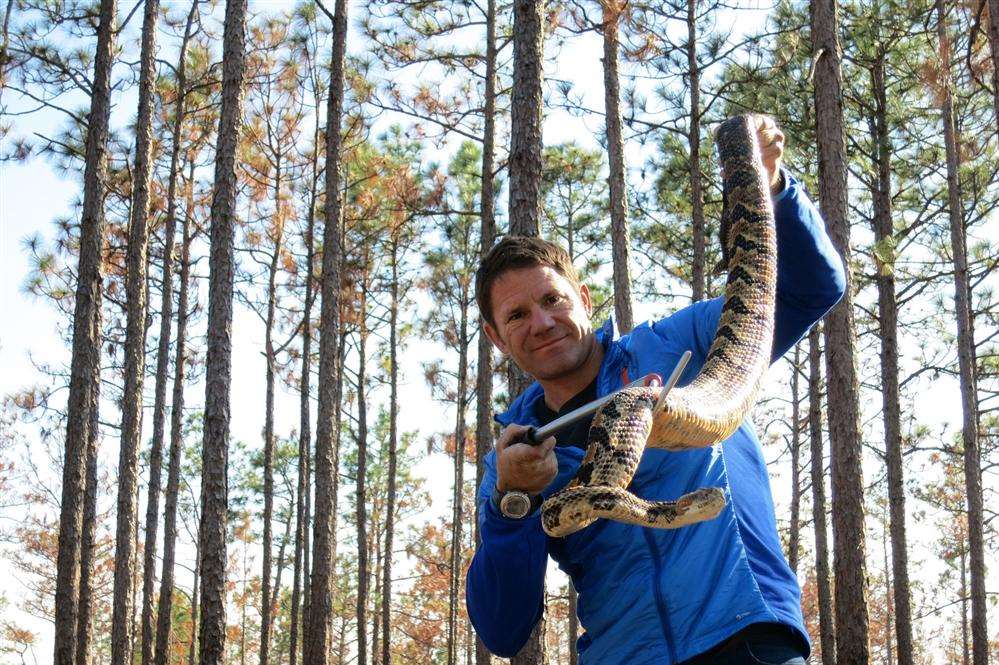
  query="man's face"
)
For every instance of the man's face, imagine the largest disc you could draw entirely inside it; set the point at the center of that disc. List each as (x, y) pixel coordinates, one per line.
(541, 321)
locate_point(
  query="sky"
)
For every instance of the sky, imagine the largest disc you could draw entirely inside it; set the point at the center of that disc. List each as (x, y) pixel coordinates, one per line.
(33, 194)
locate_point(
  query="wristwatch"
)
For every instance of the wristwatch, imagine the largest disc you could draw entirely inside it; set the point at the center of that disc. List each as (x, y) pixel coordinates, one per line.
(516, 504)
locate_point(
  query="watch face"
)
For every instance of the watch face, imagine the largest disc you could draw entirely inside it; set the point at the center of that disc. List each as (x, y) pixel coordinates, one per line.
(515, 504)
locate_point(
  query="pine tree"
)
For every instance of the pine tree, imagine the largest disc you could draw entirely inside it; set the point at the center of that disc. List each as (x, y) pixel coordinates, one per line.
(317, 647)
(844, 427)
(214, 484)
(135, 366)
(85, 367)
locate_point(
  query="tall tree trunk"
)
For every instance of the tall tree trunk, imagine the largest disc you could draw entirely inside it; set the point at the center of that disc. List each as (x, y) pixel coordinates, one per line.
(795, 527)
(392, 454)
(135, 366)
(218, 367)
(827, 633)
(85, 616)
(457, 511)
(165, 609)
(317, 646)
(164, 618)
(889, 614)
(698, 270)
(525, 161)
(487, 234)
(993, 32)
(362, 470)
(195, 605)
(620, 241)
(852, 638)
(573, 625)
(276, 590)
(272, 269)
(85, 363)
(524, 165)
(966, 358)
(888, 328)
(300, 583)
(376, 615)
(163, 351)
(965, 638)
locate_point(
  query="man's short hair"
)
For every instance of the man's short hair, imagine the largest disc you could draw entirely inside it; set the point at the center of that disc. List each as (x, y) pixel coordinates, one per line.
(514, 253)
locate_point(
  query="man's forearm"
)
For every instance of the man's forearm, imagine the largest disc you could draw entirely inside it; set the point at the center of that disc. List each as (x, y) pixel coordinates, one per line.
(810, 275)
(505, 582)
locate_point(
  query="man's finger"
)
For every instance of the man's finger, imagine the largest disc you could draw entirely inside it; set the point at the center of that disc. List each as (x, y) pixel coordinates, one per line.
(547, 446)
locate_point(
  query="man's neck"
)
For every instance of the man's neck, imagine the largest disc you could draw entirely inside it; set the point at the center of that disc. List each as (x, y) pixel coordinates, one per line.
(561, 390)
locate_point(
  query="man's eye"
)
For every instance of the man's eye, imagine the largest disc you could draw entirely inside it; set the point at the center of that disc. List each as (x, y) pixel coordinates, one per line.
(514, 316)
(554, 299)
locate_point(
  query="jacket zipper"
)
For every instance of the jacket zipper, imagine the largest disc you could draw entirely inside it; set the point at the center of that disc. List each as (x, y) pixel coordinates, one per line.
(661, 607)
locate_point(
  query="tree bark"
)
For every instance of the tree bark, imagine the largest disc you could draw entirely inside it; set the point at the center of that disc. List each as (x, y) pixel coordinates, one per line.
(698, 269)
(195, 605)
(827, 633)
(525, 161)
(305, 427)
(849, 547)
(218, 366)
(573, 626)
(795, 527)
(269, 354)
(966, 359)
(164, 623)
(317, 646)
(457, 510)
(524, 166)
(140, 208)
(362, 470)
(164, 619)
(85, 363)
(85, 616)
(487, 235)
(620, 240)
(993, 31)
(135, 364)
(392, 454)
(888, 329)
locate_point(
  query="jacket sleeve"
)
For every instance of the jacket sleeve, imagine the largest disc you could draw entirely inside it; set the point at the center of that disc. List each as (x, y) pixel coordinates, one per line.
(505, 582)
(810, 279)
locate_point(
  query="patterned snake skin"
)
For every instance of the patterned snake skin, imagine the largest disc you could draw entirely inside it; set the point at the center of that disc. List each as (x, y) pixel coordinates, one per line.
(710, 408)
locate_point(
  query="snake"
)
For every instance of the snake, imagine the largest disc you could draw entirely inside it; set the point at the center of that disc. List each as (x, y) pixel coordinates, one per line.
(711, 407)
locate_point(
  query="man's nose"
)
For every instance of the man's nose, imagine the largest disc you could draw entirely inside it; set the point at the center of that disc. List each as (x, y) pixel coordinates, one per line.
(541, 320)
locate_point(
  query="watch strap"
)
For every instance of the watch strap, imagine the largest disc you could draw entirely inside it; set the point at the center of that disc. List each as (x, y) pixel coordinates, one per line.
(497, 498)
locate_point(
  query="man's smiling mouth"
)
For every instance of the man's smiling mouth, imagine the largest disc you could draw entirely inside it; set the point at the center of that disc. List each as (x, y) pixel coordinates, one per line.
(547, 344)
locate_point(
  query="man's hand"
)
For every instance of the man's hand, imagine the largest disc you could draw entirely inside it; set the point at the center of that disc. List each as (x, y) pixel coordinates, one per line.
(771, 140)
(521, 466)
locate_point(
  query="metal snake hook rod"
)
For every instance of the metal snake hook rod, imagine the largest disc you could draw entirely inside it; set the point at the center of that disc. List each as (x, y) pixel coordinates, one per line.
(536, 435)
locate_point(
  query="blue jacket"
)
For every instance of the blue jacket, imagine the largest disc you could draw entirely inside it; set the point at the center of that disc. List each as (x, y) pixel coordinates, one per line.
(650, 596)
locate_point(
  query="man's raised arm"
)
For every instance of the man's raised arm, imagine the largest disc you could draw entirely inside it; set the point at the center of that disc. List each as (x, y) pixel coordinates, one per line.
(810, 281)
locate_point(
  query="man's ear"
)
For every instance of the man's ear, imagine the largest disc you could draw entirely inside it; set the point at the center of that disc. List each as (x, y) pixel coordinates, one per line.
(584, 295)
(494, 336)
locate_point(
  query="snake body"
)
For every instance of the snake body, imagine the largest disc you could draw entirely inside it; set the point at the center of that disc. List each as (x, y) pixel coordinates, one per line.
(711, 407)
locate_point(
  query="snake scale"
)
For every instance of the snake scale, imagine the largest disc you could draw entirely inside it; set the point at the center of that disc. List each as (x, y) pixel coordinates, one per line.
(711, 407)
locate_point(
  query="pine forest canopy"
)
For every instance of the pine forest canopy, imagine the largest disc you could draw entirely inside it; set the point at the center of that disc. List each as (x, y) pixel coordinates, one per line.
(245, 393)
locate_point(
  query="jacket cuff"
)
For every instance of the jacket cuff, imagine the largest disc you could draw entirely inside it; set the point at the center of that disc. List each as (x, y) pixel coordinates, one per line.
(786, 180)
(498, 523)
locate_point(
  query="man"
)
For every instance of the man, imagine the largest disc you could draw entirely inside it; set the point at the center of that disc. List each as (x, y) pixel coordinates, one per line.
(716, 592)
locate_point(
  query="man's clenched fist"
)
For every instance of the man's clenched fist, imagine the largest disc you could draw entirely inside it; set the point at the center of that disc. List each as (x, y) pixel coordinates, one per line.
(771, 140)
(521, 466)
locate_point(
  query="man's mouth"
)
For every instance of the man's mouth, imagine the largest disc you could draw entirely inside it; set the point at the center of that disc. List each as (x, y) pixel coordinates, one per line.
(548, 344)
